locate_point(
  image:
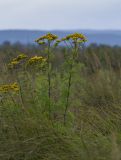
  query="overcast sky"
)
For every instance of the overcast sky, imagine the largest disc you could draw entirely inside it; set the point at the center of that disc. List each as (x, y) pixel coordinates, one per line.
(60, 14)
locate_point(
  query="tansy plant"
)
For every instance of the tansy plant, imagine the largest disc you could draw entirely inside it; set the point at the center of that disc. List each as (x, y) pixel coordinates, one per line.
(73, 41)
(14, 87)
(49, 40)
(17, 61)
(37, 62)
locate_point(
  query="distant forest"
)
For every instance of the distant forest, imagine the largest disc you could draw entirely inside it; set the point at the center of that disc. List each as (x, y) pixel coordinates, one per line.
(107, 37)
(94, 56)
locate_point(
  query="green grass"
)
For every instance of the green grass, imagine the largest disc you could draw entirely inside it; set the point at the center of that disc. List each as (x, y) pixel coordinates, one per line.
(93, 127)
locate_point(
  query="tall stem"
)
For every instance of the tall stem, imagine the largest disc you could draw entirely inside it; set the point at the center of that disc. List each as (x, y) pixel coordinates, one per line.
(68, 94)
(69, 83)
(20, 93)
(49, 79)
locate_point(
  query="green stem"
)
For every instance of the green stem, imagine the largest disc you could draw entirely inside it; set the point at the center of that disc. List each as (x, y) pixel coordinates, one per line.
(69, 83)
(68, 95)
(49, 79)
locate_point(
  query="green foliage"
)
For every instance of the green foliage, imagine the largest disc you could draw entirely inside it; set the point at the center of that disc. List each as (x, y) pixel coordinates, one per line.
(93, 123)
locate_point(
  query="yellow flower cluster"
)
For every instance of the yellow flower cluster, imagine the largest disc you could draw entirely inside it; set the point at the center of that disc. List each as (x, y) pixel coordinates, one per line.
(49, 37)
(16, 60)
(76, 36)
(9, 87)
(36, 60)
(20, 57)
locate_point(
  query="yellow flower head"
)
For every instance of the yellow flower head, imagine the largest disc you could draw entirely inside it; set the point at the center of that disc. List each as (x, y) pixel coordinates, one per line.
(9, 87)
(15, 87)
(49, 37)
(36, 60)
(75, 37)
(21, 57)
(4, 88)
(16, 61)
(13, 64)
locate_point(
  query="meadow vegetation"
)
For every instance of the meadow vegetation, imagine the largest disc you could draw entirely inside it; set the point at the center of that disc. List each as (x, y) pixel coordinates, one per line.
(60, 102)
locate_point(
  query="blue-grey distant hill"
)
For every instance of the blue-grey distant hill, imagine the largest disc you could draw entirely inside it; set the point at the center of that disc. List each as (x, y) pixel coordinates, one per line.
(109, 37)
